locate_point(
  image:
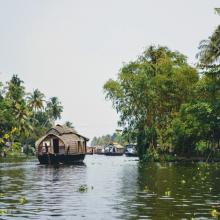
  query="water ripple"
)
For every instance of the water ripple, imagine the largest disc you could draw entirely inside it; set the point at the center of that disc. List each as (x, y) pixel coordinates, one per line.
(116, 188)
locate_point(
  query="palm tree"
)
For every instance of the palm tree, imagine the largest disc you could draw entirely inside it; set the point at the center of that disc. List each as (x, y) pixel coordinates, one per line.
(22, 115)
(16, 90)
(54, 109)
(217, 10)
(36, 100)
(69, 124)
(210, 49)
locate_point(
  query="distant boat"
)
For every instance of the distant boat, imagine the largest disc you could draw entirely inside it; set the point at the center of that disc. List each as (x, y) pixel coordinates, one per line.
(99, 150)
(61, 144)
(114, 149)
(89, 150)
(131, 150)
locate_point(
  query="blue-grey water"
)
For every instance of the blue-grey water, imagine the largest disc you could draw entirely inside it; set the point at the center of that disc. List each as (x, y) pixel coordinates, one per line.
(109, 188)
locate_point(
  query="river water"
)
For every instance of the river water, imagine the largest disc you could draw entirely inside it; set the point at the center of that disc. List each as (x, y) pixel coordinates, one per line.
(109, 188)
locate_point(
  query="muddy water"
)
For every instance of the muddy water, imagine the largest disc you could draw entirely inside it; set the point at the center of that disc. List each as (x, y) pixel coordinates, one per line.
(109, 188)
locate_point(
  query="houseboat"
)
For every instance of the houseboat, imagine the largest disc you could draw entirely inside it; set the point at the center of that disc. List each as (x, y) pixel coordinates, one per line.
(114, 149)
(61, 144)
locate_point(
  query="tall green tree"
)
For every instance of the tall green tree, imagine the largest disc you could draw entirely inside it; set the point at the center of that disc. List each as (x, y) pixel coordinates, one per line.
(16, 111)
(149, 92)
(15, 90)
(15, 96)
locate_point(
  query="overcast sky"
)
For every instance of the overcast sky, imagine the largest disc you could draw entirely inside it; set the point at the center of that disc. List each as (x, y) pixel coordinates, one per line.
(70, 48)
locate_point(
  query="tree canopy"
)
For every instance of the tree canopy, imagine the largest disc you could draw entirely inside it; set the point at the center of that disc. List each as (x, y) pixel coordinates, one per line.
(24, 117)
(166, 104)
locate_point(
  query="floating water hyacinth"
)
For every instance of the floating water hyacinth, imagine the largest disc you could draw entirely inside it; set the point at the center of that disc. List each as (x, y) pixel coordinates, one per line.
(215, 213)
(83, 188)
(168, 193)
(183, 181)
(146, 189)
(23, 200)
(3, 211)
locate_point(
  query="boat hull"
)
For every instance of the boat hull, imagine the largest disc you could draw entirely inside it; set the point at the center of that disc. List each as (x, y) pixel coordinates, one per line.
(127, 154)
(89, 153)
(113, 154)
(60, 159)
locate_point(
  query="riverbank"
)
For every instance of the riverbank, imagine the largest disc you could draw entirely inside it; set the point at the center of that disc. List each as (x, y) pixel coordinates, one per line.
(15, 159)
(160, 156)
(172, 158)
(190, 159)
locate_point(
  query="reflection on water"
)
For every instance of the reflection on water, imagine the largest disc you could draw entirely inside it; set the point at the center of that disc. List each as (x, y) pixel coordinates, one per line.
(116, 188)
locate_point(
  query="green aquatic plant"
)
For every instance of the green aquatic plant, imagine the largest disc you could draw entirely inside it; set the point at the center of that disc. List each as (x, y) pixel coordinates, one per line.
(146, 189)
(83, 188)
(168, 193)
(3, 211)
(2, 194)
(183, 181)
(23, 200)
(215, 213)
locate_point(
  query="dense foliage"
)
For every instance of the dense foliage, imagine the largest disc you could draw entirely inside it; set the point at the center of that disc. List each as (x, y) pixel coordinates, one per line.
(167, 104)
(24, 117)
(121, 138)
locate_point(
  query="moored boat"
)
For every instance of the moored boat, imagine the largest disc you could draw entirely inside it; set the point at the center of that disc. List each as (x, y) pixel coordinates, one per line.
(131, 150)
(114, 149)
(99, 150)
(89, 150)
(113, 154)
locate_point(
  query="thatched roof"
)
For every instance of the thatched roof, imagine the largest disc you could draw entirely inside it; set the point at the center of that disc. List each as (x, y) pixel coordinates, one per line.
(40, 140)
(62, 129)
(98, 147)
(64, 133)
(116, 145)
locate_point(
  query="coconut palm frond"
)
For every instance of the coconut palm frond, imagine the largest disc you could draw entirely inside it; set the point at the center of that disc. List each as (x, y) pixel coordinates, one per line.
(217, 10)
(209, 50)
